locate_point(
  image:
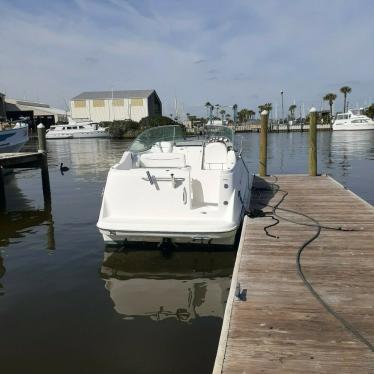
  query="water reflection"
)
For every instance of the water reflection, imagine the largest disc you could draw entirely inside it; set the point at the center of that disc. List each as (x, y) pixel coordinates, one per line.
(2, 272)
(87, 158)
(179, 285)
(20, 219)
(356, 144)
(18, 224)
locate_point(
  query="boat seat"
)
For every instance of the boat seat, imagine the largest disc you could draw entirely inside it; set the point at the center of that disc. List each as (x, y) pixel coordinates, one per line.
(215, 156)
(166, 147)
(162, 160)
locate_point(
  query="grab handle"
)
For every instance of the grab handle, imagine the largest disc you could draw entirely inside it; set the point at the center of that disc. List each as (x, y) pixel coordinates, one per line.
(149, 177)
(184, 196)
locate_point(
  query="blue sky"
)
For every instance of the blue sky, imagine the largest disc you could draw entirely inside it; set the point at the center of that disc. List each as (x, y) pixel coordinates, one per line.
(242, 51)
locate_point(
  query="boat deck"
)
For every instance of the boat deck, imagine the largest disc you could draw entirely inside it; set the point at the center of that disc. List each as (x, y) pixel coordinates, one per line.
(276, 325)
(24, 160)
(19, 159)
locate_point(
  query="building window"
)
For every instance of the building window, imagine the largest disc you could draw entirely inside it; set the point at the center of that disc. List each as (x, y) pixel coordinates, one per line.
(118, 102)
(80, 103)
(98, 103)
(136, 101)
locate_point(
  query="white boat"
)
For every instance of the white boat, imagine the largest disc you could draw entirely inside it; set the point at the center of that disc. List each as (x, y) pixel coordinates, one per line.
(354, 119)
(75, 130)
(13, 139)
(170, 189)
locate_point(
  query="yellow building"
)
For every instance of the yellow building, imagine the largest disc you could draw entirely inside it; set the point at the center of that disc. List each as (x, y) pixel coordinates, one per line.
(101, 106)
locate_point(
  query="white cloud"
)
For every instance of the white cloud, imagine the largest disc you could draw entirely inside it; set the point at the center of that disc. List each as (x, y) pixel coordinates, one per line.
(250, 50)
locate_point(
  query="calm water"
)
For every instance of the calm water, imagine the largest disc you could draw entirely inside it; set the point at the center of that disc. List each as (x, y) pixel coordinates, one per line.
(68, 304)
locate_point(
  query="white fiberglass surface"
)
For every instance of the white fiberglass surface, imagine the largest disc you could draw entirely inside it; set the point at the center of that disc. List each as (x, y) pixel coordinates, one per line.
(172, 188)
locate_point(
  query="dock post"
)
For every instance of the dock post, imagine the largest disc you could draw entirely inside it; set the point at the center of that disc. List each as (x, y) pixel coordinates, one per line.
(44, 165)
(313, 142)
(42, 143)
(2, 191)
(263, 143)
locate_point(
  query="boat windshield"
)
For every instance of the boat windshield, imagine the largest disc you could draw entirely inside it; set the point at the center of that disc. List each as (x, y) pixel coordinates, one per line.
(154, 135)
(212, 131)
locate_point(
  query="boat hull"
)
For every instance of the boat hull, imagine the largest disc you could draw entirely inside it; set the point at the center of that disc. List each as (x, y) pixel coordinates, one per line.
(13, 140)
(353, 127)
(82, 135)
(213, 238)
(201, 225)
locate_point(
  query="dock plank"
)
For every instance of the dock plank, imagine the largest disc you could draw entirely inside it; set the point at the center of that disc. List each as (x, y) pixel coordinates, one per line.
(20, 159)
(281, 327)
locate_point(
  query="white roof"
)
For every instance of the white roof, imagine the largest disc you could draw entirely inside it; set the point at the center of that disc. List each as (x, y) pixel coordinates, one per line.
(126, 94)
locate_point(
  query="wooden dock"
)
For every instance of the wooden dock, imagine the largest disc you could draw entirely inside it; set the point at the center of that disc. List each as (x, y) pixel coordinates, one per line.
(276, 325)
(25, 160)
(272, 127)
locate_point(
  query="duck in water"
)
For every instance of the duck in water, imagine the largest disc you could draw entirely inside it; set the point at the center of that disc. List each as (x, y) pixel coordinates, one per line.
(63, 168)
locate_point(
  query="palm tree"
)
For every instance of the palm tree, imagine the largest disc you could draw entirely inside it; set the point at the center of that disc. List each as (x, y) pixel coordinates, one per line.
(243, 115)
(222, 113)
(217, 107)
(251, 113)
(235, 112)
(207, 106)
(292, 110)
(267, 106)
(330, 97)
(345, 90)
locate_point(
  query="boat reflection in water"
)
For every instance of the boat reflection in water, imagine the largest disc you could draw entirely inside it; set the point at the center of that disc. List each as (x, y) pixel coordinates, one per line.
(180, 285)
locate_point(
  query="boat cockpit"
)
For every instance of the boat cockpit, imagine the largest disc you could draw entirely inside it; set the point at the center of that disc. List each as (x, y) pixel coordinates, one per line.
(167, 147)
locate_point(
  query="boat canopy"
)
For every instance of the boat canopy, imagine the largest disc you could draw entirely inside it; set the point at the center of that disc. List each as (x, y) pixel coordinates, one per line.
(154, 135)
(176, 134)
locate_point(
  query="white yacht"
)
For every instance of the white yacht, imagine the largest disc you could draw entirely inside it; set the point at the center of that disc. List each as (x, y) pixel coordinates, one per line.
(13, 138)
(74, 130)
(354, 119)
(170, 189)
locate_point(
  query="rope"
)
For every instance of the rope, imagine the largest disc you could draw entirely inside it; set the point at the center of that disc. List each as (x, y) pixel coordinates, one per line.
(316, 224)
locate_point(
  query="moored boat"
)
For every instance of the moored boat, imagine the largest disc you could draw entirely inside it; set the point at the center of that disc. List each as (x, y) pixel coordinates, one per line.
(354, 119)
(13, 138)
(167, 188)
(77, 130)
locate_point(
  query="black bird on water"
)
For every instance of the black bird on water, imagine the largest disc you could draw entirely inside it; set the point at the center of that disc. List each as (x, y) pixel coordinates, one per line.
(63, 168)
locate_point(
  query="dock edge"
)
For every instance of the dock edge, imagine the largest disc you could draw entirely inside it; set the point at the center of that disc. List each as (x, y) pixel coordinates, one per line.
(221, 349)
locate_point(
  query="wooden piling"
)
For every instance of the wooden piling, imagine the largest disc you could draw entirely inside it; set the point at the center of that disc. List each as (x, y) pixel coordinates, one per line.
(45, 180)
(42, 148)
(42, 143)
(2, 191)
(263, 143)
(313, 142)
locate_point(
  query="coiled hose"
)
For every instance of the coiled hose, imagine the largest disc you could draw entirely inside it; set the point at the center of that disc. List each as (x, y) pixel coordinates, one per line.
(275, 216)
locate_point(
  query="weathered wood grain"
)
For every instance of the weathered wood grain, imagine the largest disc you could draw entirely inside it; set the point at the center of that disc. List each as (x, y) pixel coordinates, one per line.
(281, 327)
